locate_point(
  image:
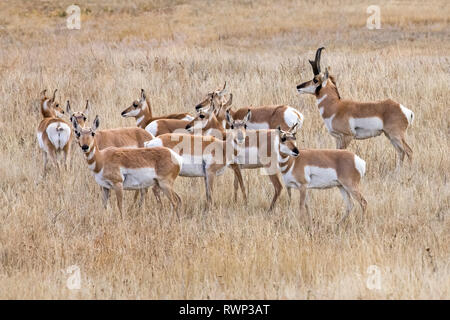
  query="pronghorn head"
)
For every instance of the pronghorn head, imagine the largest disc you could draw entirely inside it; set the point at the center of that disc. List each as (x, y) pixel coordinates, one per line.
(238, 127)
(79, 116)
(320, 79)
(216, 99)
(202, 119)
(288, 140)
(85, 135)
(49, 106)
(136, 107)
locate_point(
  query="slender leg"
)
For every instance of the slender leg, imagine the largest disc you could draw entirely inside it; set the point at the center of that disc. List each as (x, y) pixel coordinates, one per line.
(348, 202)
(67, 156)
(288, 189)
(398, 145)
(45, 164)
(407, 149)
(303, 205)
(338, 143)
(345, 141)
(143, 194)
(359, 197)
(105, 196)
(278, 187)
(118, 188)
(238, 180)
(53, 158)
(173, 197)
(156, 191)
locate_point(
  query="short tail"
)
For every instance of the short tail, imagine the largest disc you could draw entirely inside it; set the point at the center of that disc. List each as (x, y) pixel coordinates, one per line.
(408, 114)
(360, 165)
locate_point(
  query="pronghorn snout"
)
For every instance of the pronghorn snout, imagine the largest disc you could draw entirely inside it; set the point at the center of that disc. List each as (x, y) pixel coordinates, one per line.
(295, 152)
(123, 113)
(202, 116)
(85, 147)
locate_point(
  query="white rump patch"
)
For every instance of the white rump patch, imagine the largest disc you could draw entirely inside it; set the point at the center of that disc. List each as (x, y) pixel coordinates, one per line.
(152, 127)
(292, 117)
(257, 125)
(155, 142)
(360, 165)
(408, 114)
(58, 133)
(364, 128)
(320, 178)
(188, 118)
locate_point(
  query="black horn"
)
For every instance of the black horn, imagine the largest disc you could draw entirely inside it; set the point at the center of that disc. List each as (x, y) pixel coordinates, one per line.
(316, 63)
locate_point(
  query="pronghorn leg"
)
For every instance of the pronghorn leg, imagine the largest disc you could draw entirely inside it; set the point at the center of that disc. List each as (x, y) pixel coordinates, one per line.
(136, 195)
(288, 189)
(348, 203)
(174, 198)
(209, 185)
(303, 205)
(398, 145)
(345, 141)
(407, 149)
(45, 164)
(238, 180)
(118, 188)
(359, 197)
(143, 193)
(54, 158)
(278, 188)
(67, 156)
(156, 191)
(105, 196)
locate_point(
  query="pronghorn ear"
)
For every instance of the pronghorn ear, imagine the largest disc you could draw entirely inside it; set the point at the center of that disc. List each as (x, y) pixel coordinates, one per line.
(248, 116)
(222, 92)
(228, 117)
(87, 108)
(43, 93)
(325, 78)
(76, 127)
(95, 124)
(229, 102)
(69, 111)
(143, 96)
(279, 129)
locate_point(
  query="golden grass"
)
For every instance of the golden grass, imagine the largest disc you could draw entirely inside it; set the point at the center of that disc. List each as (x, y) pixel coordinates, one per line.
(178, 51)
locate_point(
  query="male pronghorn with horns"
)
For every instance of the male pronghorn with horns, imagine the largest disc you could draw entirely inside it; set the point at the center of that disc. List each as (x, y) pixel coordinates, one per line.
(347, 120)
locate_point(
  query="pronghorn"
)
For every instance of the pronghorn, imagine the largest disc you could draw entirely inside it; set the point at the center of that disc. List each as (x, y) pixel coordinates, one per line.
(263, 117)
(129, 168)
(142, 112)
(259, 150)
(206, 156)
(128, 137)
(79, 116)
(347, 120)
(321, 169)
(54, 134)
(162, 126)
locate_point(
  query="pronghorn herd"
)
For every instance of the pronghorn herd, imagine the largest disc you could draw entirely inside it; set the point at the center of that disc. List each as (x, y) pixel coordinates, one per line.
(159, 149)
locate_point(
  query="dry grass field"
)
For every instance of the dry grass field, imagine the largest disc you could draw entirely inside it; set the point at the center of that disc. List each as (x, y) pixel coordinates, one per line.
(178, 51)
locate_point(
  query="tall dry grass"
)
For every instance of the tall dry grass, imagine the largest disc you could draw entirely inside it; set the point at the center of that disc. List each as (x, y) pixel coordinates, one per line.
(178, 51)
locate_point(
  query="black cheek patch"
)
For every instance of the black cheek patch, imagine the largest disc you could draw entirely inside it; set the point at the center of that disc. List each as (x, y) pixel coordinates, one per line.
(318, 89)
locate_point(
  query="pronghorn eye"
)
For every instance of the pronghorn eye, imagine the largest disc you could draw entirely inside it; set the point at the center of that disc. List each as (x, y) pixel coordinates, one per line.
(84, 118)
(92, 133)
(245, 126)
(315, 80)
(135, 105)
(78, 134)
(232, 126)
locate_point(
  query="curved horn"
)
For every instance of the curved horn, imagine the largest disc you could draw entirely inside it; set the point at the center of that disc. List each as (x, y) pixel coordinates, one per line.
(317, 59)
(54, 95)
(86, 109)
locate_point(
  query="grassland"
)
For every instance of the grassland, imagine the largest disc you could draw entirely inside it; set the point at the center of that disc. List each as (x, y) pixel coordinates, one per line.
(178, 51)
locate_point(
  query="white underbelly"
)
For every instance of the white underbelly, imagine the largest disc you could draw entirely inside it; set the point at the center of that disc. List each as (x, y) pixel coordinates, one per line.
(289, 180)
(101, 181)
(138, 178)
(250, 158)
(364, 128)
(320, 178)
